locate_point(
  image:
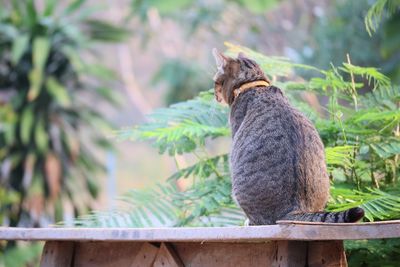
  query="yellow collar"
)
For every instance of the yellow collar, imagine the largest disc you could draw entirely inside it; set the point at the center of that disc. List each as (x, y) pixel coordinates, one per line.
(247, 86)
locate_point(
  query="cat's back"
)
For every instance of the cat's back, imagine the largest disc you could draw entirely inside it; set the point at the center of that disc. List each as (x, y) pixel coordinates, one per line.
(277, 157)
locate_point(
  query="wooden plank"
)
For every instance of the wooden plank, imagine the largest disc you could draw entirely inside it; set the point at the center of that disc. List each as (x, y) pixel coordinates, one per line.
(289, 253)
(211, 234)
(167, 257)
(104, 254)
(272, 253)
(225, 254)
(326, 254)
(56, 253)
(146, 256)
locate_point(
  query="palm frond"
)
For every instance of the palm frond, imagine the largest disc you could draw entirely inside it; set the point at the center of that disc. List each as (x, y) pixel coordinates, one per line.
(377, 204)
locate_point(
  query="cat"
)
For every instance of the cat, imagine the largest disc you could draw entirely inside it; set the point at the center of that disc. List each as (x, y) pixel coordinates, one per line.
(277, 158)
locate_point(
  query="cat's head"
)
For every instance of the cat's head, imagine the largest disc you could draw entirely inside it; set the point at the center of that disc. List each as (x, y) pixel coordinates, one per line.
(232, 73)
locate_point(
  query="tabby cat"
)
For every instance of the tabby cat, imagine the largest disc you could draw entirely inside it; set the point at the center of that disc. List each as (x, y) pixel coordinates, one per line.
(277, 158)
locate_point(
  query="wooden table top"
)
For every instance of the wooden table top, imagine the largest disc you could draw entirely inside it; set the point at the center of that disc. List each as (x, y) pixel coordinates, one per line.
(285, 230)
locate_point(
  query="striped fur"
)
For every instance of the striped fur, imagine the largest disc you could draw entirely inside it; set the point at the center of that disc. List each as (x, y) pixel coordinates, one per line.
(277, 158)
(347, 216)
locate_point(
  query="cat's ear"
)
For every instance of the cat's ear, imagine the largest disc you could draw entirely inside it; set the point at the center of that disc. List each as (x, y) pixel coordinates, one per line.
(241, 55)
(220, 59)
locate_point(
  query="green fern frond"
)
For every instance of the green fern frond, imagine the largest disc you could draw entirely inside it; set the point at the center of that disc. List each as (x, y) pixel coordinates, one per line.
(377, 115)
(385, 98)
(371, 74)
(144, 208)
(227, 216)
(203, 168)
(377, 11)
(390, 147)
(206, 198)
(378, 205)
(339, 156)
(205, 203)
(332, 80)
(182, 127)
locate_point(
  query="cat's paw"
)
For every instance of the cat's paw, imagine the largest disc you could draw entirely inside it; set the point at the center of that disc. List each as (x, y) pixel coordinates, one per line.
(247, 222)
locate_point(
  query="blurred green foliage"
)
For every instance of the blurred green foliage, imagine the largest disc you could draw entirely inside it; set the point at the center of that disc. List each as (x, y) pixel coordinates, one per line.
(183, 79)
(173, 7)
(42, 82)
(379, 10)
(48, 130)
(22, 255)
(337, 32)
(373, 253)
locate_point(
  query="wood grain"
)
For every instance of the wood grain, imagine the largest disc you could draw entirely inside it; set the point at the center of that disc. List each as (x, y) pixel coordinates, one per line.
(195, 254)
(146, 256)
(105, 254)
(326, 254)
(167, 257)
(58, 254)
(289, 253)
(225, 254)
(289, 231)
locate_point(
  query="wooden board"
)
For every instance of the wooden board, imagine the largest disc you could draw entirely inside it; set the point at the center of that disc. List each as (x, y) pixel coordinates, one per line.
(226, 254)
(103, 254)
(146, 256)
(288, 231)
(326, 254)
(167, 256)
(271, 253)
(56, 253)
(289, 253)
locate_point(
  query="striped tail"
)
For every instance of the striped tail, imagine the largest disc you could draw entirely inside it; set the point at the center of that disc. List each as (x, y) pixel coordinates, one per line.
(347, 216)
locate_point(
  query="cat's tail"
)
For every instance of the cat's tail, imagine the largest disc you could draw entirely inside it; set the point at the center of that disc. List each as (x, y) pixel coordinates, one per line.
(347, 216)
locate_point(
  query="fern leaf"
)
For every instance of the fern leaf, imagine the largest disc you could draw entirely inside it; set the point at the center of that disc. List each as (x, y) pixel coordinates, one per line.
(385, 98)
(377, 11)
(371, 74)
(387, 149)
(203, 168)
(377, 115)
(182, 127)
(339, 156)
(378, 205)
